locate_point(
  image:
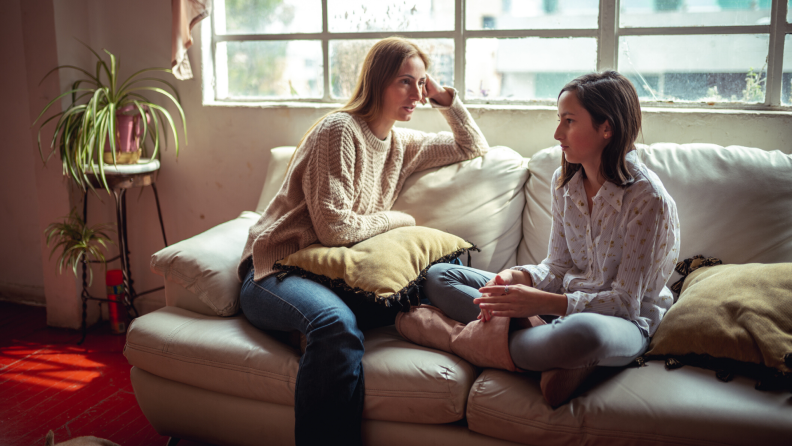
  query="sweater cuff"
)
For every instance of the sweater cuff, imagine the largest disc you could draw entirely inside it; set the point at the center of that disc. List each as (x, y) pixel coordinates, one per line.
(454, 98)
(398, 219)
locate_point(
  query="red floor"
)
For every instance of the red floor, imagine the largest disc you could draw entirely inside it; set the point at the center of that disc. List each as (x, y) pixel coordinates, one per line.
(47, 381)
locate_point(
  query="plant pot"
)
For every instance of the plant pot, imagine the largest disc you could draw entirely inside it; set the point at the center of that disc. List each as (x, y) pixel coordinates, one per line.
(128, 136)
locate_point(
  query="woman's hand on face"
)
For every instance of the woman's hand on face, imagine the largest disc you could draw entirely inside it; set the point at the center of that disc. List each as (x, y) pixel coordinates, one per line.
(433, 90)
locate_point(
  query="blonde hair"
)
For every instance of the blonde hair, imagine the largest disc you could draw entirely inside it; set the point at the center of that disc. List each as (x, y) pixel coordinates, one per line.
(381, 66)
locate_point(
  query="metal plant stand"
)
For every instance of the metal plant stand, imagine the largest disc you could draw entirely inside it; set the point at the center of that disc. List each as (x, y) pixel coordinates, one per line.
(120, 178)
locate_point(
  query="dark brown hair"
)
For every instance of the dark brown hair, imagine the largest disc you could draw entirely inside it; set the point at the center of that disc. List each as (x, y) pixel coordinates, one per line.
(607, 96)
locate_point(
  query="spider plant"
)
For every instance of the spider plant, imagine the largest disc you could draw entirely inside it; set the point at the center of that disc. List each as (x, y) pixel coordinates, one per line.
(90, 123)
(78, 242)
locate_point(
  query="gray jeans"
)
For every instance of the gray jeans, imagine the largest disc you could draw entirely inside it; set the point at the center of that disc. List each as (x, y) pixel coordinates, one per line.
(569, 342)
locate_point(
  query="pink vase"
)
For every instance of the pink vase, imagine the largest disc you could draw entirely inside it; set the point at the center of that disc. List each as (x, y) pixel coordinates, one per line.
(129, 130)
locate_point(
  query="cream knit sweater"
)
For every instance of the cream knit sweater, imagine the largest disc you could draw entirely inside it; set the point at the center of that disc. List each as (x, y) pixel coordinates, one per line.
(343, 181)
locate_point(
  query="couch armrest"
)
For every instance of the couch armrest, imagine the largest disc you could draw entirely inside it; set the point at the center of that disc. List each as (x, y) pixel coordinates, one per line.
(201, 272)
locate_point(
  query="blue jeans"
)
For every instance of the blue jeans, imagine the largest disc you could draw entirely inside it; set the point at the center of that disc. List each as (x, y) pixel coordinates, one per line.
(328, 396)
(569, 342)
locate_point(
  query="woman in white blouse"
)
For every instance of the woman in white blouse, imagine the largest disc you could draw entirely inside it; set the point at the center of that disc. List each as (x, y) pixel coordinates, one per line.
(613, 246)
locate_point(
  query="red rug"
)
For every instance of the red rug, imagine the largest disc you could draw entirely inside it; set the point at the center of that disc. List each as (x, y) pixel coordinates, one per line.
(47, 381)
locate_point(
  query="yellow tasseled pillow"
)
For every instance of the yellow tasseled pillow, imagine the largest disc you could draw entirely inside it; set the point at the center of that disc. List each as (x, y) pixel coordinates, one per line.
(732, 318)
(387, 268)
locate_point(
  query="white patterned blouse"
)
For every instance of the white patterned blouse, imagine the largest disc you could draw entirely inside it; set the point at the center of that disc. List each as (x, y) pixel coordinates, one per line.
(617, 261)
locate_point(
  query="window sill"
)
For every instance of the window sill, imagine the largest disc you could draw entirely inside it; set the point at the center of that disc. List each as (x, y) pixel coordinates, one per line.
(483, 107)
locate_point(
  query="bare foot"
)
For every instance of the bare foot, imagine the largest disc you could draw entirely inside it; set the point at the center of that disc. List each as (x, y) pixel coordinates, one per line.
(558, 385)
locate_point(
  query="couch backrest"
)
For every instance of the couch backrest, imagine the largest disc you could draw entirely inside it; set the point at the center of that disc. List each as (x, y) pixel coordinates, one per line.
(479, 200)
(734, 203)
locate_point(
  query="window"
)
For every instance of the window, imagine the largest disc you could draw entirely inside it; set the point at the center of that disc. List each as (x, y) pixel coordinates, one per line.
(722, 53)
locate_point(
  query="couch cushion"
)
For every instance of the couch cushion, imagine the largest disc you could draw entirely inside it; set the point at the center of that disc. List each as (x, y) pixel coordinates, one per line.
(734, 203)
(201, 272)
(648, 406)
(404, 382)
(178, 410)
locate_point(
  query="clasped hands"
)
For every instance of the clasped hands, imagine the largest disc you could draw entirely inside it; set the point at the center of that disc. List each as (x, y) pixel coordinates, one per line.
(511, 294)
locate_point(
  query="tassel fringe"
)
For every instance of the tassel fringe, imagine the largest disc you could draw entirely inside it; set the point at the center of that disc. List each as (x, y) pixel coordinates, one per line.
(404, 298)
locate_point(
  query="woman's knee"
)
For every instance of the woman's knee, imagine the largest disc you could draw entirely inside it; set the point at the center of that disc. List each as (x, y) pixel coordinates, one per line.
(442, 276)
(437, 274)
(581, 335)
(335, 326)
(436, 279)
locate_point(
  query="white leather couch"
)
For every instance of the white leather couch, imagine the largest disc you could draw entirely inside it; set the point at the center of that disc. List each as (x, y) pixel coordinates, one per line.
(200, 371)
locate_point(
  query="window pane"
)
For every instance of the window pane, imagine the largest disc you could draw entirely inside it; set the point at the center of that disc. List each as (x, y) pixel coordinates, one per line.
(390, 15)
(789, 11)
(346, 59)
(268, 16)
(654, 13)
(536, 14)
(269, 69)
(786, 78)
(526, 68)
(706, 68)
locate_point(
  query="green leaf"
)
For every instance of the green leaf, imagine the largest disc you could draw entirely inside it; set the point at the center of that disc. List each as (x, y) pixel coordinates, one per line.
(129, 81)
(77, 241)
(113, 68)
(83, 129)
(178, 106)
(100, 63)
(52, 102)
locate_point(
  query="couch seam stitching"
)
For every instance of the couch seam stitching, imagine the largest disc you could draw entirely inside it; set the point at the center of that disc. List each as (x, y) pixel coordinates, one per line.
(175, 331)
(586, 429)
(208, 363)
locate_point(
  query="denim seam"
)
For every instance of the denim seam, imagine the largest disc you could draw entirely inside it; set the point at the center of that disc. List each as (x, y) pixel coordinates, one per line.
(285, 302)
(447, 272)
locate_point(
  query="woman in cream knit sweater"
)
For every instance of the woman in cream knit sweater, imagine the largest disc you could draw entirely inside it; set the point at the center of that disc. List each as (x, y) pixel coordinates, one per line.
(341, 183)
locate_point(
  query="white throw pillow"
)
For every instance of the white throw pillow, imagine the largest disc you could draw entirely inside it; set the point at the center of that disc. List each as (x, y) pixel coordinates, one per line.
(205, 266)
(734, 203)
(480, 200)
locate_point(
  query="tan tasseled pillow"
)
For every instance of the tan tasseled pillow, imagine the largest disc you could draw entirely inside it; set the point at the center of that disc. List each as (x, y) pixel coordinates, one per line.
(735, 312)
(387, 268)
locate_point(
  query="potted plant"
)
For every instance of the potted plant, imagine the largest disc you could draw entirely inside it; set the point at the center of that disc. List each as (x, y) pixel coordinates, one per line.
(77, 242)
(108, 120)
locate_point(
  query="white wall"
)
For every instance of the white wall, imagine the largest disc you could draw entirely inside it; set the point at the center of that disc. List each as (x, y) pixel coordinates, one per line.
(221, 171)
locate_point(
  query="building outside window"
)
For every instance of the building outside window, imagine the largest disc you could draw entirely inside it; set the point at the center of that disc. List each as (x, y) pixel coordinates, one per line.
(720, 53)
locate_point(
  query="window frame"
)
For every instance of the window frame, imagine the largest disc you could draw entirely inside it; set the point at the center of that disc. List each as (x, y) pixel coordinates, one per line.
(607, 35)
